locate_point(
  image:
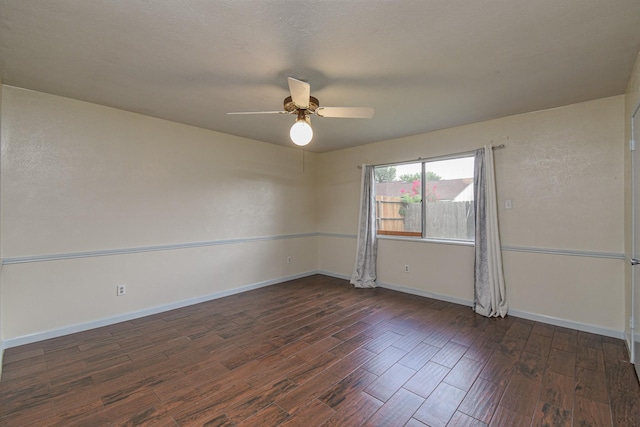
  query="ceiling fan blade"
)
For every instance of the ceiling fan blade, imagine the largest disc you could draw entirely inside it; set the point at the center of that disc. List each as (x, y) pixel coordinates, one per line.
(260, 112)
(346, 112)
(300, 92)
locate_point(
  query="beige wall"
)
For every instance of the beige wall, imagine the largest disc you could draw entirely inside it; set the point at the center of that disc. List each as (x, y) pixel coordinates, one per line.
(207, 214)
(83, 185)
(563, 171)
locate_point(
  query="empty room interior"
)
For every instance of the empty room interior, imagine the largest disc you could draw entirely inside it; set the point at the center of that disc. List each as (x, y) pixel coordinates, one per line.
(164, 262)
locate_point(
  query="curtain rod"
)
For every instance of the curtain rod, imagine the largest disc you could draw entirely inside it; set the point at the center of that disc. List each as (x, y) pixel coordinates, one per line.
(444, 156)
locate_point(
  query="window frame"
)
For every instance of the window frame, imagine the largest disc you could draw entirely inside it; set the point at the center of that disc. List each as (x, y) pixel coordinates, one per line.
(414, 235)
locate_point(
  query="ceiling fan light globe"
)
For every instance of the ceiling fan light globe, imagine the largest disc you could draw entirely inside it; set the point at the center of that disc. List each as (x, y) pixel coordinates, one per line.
(301, 133)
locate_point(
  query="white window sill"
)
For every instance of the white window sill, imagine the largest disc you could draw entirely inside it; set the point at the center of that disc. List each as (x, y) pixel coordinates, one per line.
(427, 240)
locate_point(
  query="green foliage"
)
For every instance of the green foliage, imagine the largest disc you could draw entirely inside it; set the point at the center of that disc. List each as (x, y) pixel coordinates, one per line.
(385, 174)
(432, 176)
(410, 177)
(415, 196)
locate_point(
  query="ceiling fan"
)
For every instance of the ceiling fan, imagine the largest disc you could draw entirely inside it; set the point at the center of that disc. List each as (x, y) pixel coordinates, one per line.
(303, 105)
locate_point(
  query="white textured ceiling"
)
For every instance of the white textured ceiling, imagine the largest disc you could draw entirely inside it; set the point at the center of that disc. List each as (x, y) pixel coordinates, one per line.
(424, 64)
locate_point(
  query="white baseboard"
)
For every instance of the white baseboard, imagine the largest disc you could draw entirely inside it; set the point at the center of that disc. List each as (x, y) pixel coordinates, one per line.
(426, 294)
(584, 327)
(54, 333)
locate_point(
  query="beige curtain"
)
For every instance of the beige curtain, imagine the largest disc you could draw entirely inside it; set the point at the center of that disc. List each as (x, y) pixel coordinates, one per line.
(489, 288)
(364, 271)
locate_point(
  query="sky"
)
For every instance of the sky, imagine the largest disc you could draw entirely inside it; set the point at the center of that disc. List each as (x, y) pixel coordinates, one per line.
(447, 169)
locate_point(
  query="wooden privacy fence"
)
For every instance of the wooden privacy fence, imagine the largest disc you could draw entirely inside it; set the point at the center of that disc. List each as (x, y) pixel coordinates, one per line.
(388, 213)
(444, 219)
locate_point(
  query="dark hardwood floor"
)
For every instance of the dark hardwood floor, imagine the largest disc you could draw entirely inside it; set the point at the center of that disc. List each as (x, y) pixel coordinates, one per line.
(317, 352)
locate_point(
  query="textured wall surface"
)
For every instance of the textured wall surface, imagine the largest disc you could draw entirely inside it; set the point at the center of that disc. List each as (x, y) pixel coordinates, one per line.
(80, 181)
(562, 169)
(82, 185)
(111, 179)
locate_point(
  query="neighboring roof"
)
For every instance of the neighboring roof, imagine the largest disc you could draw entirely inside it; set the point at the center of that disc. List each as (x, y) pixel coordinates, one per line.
(446, 189)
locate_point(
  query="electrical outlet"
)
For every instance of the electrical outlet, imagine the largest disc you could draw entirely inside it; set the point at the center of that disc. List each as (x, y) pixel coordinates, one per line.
(406, 268)
(121, 290)
(288, 260)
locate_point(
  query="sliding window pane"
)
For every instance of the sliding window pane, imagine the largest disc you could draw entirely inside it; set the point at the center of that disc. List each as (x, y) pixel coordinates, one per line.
(398, 190)
(448, 195)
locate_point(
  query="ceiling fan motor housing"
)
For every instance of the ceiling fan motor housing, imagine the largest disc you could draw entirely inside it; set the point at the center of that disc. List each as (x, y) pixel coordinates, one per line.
(291, 107)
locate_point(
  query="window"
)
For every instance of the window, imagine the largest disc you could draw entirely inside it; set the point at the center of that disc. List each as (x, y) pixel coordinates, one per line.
(428, 199)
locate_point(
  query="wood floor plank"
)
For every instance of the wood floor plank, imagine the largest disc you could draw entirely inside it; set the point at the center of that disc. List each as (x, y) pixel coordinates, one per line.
(499, 368)
(311, 368)
(615, 351)
(199, 411)
(548, 415)
(482, 400)
(351, 362)
(464, 373)
(591, 413)
(450, 354)
(504, 417)
(466, 336)
(257, 400)
(314, 414)
(312, 351)
(592, 385)
(440, 406)
(511, 345)
(382, 341)
(317, 352)
(482, 349)
(543, 329)
(360, 408)
(521, 395)
(387, 384)
(22, 417)
(384, 360)
(621, 377)
(520, 329)
(409, 341)
(538, 344)
(397, 410)
(562, 362)
(336, 395)
(558, 390)
(625, 409)
(427, 379)
(116, 410)
(462, 420)
(531, 365)
(418, 356)
(312, 389)
(271, 416)
(564, 340)
(590, 358)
